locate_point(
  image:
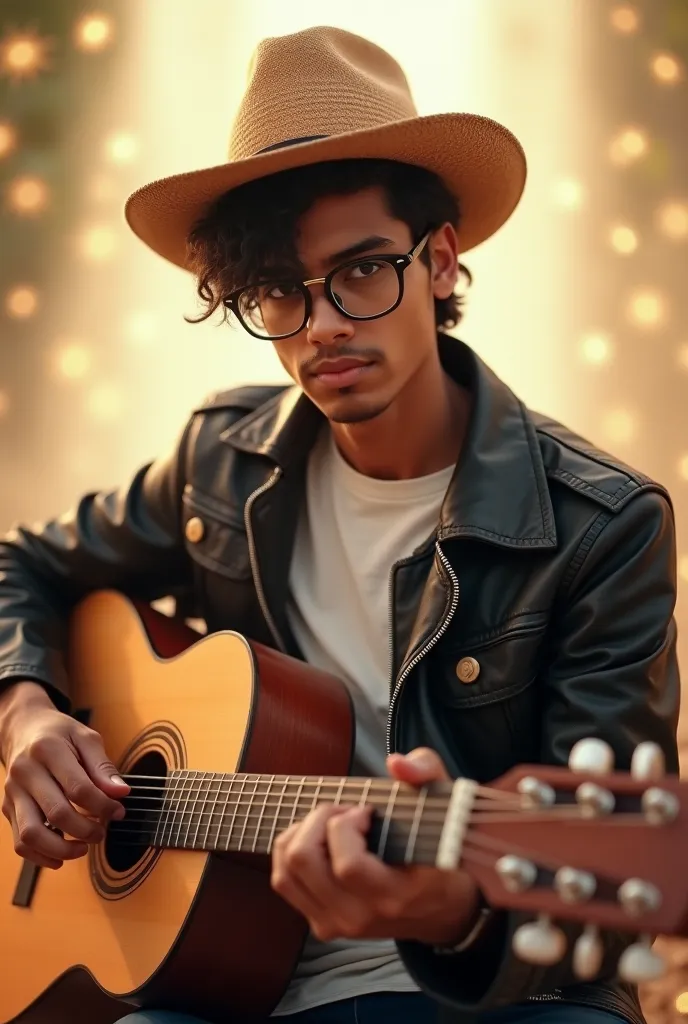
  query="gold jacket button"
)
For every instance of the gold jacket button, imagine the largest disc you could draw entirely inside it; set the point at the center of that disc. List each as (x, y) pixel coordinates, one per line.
(468, 670)
(194, 530)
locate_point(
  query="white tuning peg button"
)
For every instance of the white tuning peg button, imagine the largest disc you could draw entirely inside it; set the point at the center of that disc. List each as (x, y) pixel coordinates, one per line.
(591, 756)
(648, 763)
(639, 963)
(539, 942)
(587, 954)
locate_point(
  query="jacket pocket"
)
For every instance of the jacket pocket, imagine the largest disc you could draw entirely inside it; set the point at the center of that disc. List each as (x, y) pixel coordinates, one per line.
(494, 666)
(486, 691)
(215, 535)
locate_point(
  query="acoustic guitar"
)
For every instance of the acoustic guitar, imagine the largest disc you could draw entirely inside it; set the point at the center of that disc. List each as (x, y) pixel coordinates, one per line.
(225, 743)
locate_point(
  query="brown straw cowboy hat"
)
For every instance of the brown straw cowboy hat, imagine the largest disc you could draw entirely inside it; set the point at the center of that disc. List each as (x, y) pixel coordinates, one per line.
(325, 94)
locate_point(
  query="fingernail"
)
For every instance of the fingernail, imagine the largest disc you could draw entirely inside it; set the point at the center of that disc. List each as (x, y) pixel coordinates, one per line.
(119, 814)
(118, 780)
(421, 759)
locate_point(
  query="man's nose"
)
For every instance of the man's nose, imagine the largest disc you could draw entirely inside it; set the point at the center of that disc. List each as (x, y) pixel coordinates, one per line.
(326, 324)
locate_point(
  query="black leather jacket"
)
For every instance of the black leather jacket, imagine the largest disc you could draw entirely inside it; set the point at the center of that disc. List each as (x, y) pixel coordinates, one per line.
(553, 566)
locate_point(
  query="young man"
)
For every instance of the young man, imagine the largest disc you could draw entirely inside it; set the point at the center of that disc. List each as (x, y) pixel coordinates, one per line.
(490, 587)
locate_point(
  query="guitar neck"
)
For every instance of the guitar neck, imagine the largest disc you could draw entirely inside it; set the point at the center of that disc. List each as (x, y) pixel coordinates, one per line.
(245, 813)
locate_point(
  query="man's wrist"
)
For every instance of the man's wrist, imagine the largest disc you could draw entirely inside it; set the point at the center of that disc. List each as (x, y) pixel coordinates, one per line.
(470, 933)
(18, 697)
(481, 923)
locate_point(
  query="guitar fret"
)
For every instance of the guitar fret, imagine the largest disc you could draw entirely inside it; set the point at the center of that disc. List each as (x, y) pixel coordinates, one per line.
(364, 792)
(199, 795)
(262, 812)
(276, 816)
(295, 808)
(212, 779)
(221, 815)
(230, 827)
(318, 787)
(170, 798)
(415, 825)
(384, 831)
(340, 790)
(191, 778)
(250, 803)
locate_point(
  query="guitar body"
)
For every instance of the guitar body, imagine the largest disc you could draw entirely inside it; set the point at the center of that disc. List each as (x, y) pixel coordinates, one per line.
(180, 929)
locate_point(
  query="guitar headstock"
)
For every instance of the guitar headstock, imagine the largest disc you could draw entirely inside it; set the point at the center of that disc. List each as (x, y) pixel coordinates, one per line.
(588, 844)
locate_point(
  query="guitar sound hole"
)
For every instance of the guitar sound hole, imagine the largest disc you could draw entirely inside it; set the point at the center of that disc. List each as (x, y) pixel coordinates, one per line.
(128, 840)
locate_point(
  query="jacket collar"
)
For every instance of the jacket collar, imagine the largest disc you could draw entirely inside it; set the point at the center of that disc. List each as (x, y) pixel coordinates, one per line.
(499, 490)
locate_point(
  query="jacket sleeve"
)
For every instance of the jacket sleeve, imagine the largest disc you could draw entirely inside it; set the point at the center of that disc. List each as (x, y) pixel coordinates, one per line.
(129, 539)
(611, 673)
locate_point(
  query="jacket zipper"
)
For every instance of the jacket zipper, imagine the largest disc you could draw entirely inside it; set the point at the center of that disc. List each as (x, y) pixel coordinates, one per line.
(258, 583)
(444, 625)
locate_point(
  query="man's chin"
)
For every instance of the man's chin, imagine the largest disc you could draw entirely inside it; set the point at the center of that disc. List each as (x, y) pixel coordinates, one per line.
(348, 407)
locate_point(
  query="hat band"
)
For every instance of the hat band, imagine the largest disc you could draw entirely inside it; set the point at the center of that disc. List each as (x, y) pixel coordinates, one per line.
(291, 142)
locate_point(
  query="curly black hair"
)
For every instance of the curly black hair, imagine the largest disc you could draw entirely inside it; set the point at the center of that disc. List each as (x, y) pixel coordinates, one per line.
(253, 228)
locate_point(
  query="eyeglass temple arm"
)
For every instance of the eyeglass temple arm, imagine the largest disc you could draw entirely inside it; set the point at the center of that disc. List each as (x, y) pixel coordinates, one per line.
(417, 250)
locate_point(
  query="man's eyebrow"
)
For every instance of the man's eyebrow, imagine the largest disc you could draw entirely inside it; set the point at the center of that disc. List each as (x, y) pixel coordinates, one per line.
(365, 245)
(369, 244)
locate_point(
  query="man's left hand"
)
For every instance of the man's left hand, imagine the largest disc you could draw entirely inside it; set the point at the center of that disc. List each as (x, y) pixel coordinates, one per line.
(322, 867)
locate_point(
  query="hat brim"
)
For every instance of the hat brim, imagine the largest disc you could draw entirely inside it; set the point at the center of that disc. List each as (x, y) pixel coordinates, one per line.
(478, 159)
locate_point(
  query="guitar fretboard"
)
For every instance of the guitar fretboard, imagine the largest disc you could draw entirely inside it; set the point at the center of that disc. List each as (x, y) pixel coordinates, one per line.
(245, 813)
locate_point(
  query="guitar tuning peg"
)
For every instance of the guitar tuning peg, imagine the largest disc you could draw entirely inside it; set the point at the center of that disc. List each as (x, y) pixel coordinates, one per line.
(516, 873)
(659, 807)
(594, 801)
(648, 763)
(639, 963)
(540, 794)
(594, 757)
(539, 942)
(588, 953)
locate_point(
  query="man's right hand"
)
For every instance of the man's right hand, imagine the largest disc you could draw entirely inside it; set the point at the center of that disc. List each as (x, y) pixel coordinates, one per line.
(58, 775)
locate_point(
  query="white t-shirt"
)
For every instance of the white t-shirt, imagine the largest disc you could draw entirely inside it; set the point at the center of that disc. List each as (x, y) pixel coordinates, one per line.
(351, 531)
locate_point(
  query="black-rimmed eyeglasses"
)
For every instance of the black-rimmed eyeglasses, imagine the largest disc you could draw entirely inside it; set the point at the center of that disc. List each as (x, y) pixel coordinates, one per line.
(361, 289)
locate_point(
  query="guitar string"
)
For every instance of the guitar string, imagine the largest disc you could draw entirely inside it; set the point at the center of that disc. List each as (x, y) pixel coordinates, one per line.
(306, 787)
(477, 849)
(428, 852)
(488, 810)
(312, 787)
(193, 777)
(245, 809)
(489, 850)
(145, 802)
(196, 818)
(498, 813)
(160, 792)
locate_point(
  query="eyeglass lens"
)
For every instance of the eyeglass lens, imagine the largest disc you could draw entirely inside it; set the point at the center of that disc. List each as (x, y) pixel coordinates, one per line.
(363, 289)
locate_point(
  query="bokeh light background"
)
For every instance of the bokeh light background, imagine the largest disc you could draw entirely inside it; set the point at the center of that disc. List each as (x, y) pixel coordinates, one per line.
(580, 303)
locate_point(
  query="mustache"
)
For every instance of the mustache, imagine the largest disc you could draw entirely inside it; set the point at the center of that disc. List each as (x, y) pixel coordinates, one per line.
(369, 355)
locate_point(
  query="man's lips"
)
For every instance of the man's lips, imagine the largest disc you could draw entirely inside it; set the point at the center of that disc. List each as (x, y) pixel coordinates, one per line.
(338, 365)
(341, 373)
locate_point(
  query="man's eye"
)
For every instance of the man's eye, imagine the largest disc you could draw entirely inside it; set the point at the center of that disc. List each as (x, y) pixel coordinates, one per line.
(280, 291)
(364, 270)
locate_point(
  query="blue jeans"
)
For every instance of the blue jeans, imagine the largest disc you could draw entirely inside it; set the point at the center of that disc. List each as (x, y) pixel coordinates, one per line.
(402, 1008)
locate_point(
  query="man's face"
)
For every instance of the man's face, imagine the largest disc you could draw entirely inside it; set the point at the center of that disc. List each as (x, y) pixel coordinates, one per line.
(354, 369)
